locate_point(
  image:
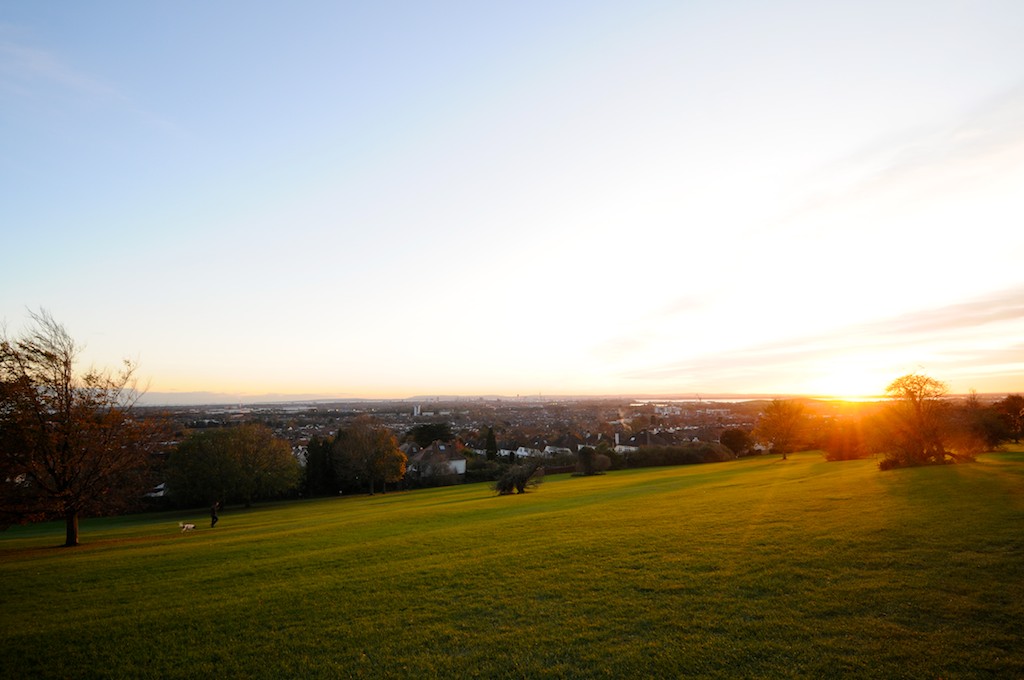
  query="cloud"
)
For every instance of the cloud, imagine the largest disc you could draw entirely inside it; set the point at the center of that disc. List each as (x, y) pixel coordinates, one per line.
(948, 334)
(31, 73)
(645, 329)
(618, 348)
(981, 357)
(31, 68)
(679, 306)
(999, 306)
(962, 155)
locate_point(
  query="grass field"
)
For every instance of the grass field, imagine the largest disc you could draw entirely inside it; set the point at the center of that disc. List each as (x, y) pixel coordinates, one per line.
(754, 568)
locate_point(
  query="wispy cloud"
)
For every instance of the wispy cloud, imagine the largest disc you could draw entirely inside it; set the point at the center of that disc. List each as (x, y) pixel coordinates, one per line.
(918, 164)
(999, 306)
(940, 332)
(30, 73)
(1000, 356)
(645, 328)
(26, 68)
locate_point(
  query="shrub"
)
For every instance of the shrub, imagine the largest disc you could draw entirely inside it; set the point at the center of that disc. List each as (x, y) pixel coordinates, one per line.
(517, 478)
(591, 463)
(888, 464)
(480, 469)
(844, 440)
(585, 466)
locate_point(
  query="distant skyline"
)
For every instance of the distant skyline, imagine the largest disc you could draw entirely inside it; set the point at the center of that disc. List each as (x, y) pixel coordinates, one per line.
(382, 200)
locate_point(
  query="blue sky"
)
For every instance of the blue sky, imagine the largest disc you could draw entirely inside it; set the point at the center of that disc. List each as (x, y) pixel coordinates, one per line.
(389, 199)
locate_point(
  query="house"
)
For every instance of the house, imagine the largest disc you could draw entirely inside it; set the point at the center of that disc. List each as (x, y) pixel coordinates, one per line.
(521, 452)
(158, 491)
(652, 438)
(526, 452)
(437, 459)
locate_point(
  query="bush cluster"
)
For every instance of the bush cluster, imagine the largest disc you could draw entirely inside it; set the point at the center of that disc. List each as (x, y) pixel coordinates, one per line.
(686, 454)
(517, 478)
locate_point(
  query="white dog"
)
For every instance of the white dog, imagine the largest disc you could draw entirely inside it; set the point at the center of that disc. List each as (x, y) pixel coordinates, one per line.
(186, 527)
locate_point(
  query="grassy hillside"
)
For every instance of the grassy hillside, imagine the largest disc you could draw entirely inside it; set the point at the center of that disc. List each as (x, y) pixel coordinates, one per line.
(759, 567)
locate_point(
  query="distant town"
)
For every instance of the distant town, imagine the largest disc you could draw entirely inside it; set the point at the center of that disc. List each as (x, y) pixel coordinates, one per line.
(527, 425)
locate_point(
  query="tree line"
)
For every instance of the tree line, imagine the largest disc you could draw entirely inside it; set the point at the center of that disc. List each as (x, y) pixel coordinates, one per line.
(72, 443)
(916, 425)
(361, 457)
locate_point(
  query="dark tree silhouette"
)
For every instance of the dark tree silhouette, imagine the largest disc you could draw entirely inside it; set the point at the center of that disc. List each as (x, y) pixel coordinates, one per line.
(491, 447)
(236, 464)
(426, 434)
(736, 440)
(914, 421)
(586, 464)
(1011, 410)
(919, 426)
(320, 479)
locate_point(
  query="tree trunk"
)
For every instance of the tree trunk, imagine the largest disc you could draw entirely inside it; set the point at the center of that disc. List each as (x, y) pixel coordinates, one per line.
(71, 525)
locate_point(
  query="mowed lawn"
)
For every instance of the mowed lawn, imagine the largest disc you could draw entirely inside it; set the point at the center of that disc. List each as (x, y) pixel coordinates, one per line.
(754, 568)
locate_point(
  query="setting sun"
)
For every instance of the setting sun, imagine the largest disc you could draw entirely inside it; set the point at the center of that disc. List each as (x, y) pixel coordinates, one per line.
(849, 382)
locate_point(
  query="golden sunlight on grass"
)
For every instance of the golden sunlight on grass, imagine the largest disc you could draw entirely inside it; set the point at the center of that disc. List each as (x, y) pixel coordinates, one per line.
(750, 568)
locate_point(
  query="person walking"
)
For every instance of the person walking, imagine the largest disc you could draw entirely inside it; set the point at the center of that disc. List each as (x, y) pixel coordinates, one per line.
(213, 514)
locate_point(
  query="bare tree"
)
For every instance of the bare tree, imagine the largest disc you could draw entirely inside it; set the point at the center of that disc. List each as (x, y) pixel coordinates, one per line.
(70, 442)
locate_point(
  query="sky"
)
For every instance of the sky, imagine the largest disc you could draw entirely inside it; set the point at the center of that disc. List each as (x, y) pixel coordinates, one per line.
(391, 199)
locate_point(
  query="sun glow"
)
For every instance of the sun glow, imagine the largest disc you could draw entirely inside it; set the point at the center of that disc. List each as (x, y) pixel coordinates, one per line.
(849, 383)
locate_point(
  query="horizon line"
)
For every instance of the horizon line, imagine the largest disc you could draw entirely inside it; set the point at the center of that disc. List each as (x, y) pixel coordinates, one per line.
(205, 398)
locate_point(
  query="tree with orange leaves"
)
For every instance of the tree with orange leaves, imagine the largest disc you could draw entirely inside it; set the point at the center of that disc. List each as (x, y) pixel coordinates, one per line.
(70, 442)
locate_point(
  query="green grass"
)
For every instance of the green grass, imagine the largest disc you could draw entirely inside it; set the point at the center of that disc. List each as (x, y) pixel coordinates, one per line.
(756, 568)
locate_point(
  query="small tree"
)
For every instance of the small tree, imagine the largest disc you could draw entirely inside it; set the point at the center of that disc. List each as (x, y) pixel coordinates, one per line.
(366, 453)
(844, 440)
(1011, 410)
(491, 446)
(605, 450)
(738, 441)
(71, 443)
(266, 464)
(199, 470)
(389, 462)
(782, 426)
(973, 429)
(320, 479)
(587, 461)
